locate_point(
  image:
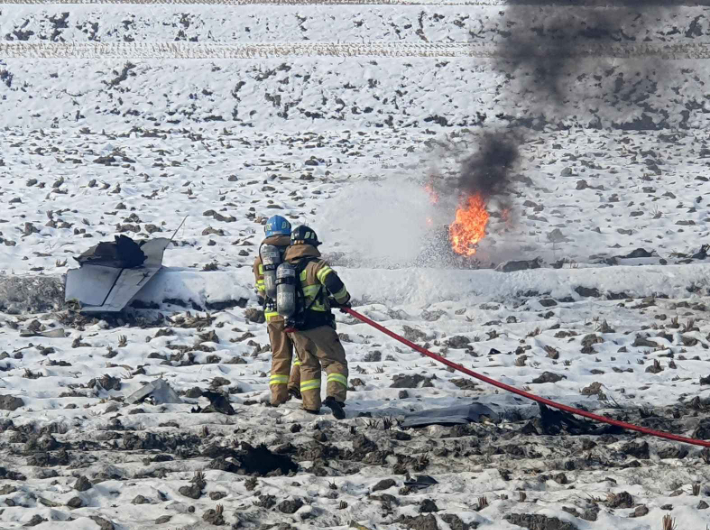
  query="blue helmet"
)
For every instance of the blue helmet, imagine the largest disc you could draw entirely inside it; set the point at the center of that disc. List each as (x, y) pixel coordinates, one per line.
(277, 226)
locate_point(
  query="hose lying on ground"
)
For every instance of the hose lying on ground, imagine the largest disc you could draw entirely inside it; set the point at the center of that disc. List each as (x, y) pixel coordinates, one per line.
(522, 393)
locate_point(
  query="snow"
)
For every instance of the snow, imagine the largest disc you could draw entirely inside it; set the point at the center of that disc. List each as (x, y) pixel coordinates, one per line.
(130, 135)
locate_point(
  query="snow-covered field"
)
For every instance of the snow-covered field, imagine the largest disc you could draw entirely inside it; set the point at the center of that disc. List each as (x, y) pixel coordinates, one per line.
(612, 160)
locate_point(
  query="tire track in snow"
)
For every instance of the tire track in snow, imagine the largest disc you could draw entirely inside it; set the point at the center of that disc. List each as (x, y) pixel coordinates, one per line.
(186, 50)
(259, 2)
(502, 3)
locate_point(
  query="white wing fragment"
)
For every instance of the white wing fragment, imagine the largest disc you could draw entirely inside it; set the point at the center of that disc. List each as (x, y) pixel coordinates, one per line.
(108, 287)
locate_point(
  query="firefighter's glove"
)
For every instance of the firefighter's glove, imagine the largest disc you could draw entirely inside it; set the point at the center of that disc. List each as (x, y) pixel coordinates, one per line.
(344, 307)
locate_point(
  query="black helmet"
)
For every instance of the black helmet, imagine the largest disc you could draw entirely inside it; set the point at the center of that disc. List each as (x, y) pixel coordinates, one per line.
(304, 235)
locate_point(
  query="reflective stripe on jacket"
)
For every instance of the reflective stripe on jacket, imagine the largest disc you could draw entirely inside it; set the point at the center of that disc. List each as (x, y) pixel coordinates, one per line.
(318, 280)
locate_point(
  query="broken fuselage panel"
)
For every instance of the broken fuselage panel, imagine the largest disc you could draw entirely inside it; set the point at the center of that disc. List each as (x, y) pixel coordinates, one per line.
(103, 285)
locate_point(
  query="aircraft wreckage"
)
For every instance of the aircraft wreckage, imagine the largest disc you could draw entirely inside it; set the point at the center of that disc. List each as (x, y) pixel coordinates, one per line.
(111, 274)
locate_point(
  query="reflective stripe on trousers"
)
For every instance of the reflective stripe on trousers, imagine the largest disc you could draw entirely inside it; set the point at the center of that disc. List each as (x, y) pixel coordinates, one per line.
(278, 380)
(338, 378)
(310, 384)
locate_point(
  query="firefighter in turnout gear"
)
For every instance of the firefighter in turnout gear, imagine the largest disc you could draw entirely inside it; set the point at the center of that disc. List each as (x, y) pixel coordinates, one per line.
(314, 334)
(278, 232)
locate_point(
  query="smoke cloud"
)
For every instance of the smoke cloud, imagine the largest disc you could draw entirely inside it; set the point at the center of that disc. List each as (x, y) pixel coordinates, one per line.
(384, 224)
(558, 64)
(486, 172)
(555, 59)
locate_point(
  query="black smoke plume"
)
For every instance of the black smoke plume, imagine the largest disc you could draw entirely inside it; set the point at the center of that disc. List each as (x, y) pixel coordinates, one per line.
(557, 57)
(486, 172)
(610, 3)
(565, 63)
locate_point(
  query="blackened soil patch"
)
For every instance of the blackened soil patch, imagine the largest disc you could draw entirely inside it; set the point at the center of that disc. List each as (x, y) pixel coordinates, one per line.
(249, 460)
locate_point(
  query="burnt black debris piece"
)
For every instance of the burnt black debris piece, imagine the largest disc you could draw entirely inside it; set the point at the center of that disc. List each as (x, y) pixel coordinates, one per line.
(407, 381)
(702, 253)
(556, 422)
(123, 253)
(218, 403)
(383, 485)
(82, 484)
(457, 415)
(159, 392)
(638, 253)
(249, 460)
(10, 403)
(290, 506)
(524, 265)
(539, 522)
(421, 482)
(421, 522)
(6, 474)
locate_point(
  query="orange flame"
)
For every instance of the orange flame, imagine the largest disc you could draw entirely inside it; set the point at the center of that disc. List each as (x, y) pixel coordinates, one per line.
(470, 226)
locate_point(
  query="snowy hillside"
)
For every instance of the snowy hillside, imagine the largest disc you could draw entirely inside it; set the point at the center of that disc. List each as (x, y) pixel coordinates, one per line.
(358, 120)
(338, 67)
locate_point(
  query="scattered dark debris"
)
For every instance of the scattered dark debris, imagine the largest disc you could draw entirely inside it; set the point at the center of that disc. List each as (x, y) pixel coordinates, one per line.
(75, 502)
(464, 383)
(384, 485)
(636, 450)
(140, 499)
(374, 356)
(254, 315)
(643, 342)
(622, 499)
(104, 524)
(290, 506)
(409, 381)
(587, 292)
(458, 342)
(194, 490)
(539, 522)
(455, 522)
(524, 265)
(218, 403)
(556, 422)
(36, 520)
(6, 474)
(421, 522)
(595, 389)
(43, 459)
(214, 516)
(250, 460)
(548, 377)
(82, 484)
(428, 506)
(673, 451)
(10, 403)
(106, 383)
(159, 441)
(421, 482)
(413, 335)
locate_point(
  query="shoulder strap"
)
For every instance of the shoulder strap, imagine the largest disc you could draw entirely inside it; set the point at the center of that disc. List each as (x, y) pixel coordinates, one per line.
(302, 264)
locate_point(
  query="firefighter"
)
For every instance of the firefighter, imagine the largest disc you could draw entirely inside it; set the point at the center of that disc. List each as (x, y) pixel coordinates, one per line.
(314, 334)
(277, 231)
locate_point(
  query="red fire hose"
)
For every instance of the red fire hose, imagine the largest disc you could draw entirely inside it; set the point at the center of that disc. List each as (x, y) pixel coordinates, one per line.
(522, 393)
